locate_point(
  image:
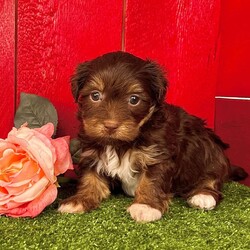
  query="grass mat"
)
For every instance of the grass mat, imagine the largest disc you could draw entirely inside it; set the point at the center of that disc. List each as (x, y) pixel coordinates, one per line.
(110, 227)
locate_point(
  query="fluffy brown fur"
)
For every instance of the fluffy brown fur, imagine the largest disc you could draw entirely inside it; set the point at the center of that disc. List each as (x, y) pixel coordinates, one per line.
(131, 136)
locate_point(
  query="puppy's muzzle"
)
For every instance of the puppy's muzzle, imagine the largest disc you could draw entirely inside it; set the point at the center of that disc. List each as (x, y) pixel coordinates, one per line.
(111, 126)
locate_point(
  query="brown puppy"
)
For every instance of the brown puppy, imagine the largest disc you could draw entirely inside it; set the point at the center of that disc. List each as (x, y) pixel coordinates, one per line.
(130, 135)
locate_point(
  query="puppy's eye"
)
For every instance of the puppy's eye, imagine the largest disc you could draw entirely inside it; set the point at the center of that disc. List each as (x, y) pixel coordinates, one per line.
(96, 96)
(134, 100)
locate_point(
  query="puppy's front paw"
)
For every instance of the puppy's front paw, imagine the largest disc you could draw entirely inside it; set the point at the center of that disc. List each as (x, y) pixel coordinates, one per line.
(72, 205)
(71, 208)
(144, 213)
(202, 201)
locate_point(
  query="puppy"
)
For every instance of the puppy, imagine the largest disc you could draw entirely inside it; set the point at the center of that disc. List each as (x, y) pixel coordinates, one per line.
(129, 135)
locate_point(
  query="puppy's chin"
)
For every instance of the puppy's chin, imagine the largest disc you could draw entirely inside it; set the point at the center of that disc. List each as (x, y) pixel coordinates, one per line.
(126, 132)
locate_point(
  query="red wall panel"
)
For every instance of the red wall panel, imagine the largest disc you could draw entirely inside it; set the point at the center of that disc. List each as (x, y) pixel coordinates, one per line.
(234, 77)
(182, 36)
(233, 114)
(7, 61)
(232, 124)
(53, 37)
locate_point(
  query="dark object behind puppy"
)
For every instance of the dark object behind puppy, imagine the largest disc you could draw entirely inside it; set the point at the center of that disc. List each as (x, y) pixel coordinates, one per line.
(131, 136)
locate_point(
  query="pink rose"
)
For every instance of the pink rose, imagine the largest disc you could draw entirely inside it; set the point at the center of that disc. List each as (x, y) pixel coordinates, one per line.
(29, 163)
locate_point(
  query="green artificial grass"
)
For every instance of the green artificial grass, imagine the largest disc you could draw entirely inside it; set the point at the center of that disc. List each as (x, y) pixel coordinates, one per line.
(110, 226)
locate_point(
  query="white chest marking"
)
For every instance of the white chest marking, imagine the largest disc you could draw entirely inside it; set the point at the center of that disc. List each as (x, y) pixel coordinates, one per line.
(122, 168)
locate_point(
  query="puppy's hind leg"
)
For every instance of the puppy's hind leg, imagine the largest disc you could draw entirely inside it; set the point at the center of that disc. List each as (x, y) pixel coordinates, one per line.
(91, 191)
(216, 169)
(206, 195)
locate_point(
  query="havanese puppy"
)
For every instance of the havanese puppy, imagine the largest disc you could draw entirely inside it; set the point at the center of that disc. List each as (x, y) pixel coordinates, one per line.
(130, 135)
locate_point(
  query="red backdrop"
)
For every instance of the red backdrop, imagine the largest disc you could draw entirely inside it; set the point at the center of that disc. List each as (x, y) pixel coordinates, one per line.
(203, 45)
(232, 116)
(53, 37)
(234, 76)
(182, 36)
(7, 66)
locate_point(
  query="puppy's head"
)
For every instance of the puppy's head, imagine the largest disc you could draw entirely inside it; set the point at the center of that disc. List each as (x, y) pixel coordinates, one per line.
(117, 94)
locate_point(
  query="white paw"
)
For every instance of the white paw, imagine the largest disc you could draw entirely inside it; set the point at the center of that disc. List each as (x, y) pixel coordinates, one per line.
(144, 213)
(70, 208)
(202, 201)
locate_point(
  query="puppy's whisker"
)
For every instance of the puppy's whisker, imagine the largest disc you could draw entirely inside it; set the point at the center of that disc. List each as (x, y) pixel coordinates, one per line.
(146, 118)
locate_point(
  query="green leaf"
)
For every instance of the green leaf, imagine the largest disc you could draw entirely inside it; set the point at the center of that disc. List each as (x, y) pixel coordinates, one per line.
(75, 150)
(36, 111)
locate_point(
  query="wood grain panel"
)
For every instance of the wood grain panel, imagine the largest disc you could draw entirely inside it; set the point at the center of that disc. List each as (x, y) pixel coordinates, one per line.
(232, 124)
(234, 77)
(7, 55)
(182, 36)
(53, 37)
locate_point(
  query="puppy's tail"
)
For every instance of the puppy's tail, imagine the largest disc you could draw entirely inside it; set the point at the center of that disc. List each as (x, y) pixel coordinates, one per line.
(238, 173)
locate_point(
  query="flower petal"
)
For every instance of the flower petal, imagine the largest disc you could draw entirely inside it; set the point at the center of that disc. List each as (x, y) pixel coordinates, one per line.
(33, 192)
(63, 159)
(35, 207)
(10, 166)
(30, 160)
(6, 145)
(38, 146)
(29, 169)
(47, 129)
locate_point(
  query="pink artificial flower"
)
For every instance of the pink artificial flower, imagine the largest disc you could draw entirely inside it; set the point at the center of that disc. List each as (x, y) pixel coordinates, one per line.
(30, 160)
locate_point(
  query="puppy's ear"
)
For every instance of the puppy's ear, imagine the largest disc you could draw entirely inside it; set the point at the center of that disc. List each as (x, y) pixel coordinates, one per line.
(79, 78)
(155, 77)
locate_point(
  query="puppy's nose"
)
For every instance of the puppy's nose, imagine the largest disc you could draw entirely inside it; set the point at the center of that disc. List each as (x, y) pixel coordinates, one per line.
(111, 125)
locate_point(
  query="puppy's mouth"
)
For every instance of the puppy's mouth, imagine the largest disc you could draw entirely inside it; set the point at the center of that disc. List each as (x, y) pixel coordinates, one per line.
(110, 131)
